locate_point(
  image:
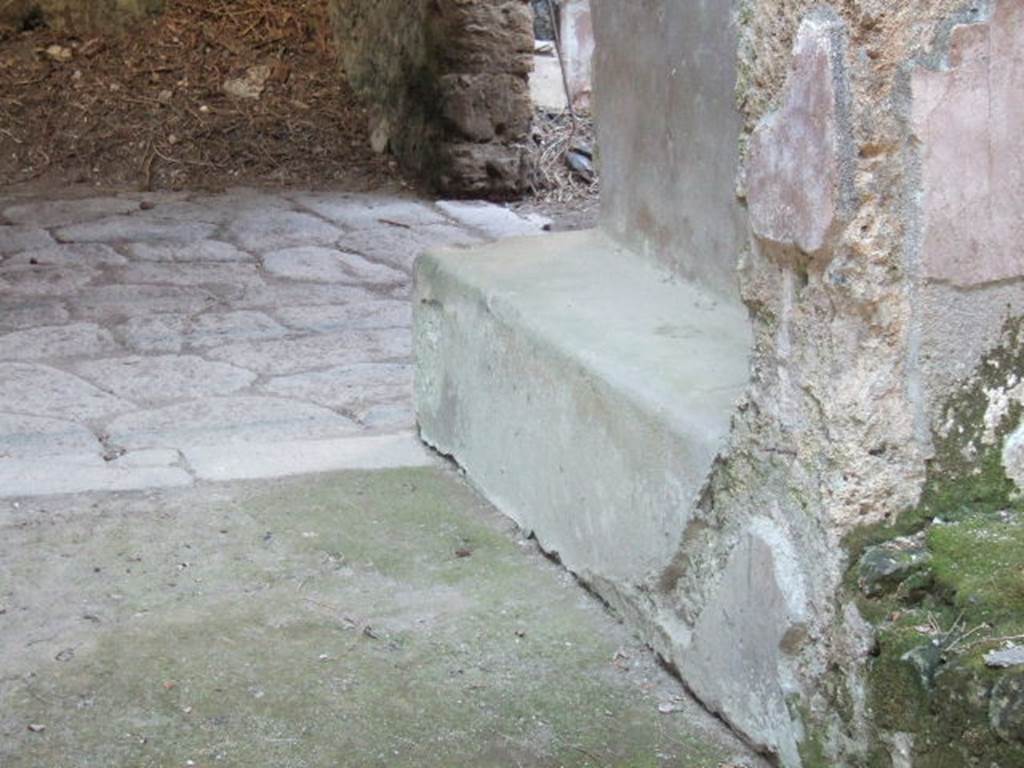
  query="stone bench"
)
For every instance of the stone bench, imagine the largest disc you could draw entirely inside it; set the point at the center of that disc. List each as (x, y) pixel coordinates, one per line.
(585, 392)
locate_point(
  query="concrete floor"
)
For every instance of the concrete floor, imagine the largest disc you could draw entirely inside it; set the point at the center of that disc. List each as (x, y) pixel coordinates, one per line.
(385, 618)
(150, 340)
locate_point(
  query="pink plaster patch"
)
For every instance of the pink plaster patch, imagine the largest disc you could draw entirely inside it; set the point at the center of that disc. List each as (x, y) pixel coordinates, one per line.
(793, 175)
(969, 119)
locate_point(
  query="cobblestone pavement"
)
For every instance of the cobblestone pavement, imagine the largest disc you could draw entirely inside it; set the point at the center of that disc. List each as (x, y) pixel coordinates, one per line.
(150, 340)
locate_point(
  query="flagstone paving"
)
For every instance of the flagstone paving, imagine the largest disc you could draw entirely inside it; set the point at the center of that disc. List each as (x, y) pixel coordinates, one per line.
(151, 331)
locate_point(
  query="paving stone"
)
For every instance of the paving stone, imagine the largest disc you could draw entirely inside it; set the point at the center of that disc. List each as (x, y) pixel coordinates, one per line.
(154, 380)
(82, 473)
(385, 313)
(327, 265)
(15, 238)
(285, 294)
(76, 340)
(115, 303)
(388, 417)
(202, 250)
(493, 220)
(268, 231)
(60, 213)
(43, 391)
(68, 255)
(27, 437)
(138, 228)
(301, 457)
(227, 420)
(227, 281)
(371, 212)
(21, 312)
(349, 387)
(157, 333)
(400, 247)
(327, 350)
(216, 329)
(47, 281)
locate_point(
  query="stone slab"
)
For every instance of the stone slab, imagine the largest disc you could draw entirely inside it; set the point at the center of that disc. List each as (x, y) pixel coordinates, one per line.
(586, 393)
(275, 358)
(47, 281)
(39, 390)
(349, 388)
(348, 317)
(269, 231)
(82, 473)
(202, 250)
(29, 437)
(298, 457)
(16, 238)
(68, 255)
(495, 221)
(29, 312)
(60, 213)
(371, 212)
(118, 303)
(399, 247)
(159, 379)
(57, 341)
(223, 420)
(138, 228)
(328, 265)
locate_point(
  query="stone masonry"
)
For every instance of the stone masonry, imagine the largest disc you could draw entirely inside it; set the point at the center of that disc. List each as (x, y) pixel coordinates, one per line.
(845, 178)
(447, 82)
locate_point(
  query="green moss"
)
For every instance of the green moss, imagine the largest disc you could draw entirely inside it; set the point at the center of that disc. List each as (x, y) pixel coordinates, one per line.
(929, 677)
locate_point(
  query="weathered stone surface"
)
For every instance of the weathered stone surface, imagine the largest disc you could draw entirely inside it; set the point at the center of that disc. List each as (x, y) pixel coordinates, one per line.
(328, 265)
(227, 420)
(230, 279)
(33, 437)
(399, 247)
(483, 170)
(280, 293)
(882, 567)
(68, 255)
(1013, 457)
(60, 213)
(46, 281)
(137, 228)
(348, 317)
(492, 37)
(30, 312)
(42, 391)
(495, 221)
(84, 473)
(351, 388)
(282, 357)
(271, 231)
(370, 212)
(967, 118)
(387, 417)
(14, 239)
(115, 303)
(77, 340)
(1005, 658)
(302, 457)
(202, 250)
(156, 333)
(519, 356)
(155, 380)
(762, 605)
(216, 328)
(794, 172)
(485, 107)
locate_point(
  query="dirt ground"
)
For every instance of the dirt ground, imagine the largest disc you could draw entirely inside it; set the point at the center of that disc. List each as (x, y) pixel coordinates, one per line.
(358, 619)
(212, 94)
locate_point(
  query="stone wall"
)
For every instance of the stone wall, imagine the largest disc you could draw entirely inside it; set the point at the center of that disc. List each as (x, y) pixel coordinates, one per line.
(848, 170)
(447, 82)
(81, 16)
(669, 133)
